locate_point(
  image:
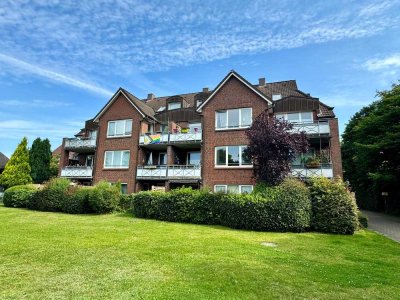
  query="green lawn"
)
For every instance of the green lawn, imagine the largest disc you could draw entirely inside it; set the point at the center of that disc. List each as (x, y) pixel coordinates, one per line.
(51, 255)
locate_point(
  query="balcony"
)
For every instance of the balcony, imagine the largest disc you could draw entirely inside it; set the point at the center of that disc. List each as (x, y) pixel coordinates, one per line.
(313, 128)
(77, 172)
(324, 170)
(168, 172)
(80, 145)
(171, 138)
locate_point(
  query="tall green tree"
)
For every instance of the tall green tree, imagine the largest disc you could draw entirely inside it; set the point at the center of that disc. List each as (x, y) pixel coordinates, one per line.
(39, 160)
(17, 170)
(371, 153)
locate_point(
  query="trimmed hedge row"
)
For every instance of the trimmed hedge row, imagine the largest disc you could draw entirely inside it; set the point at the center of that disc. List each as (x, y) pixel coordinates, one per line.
(287, 208)
(58, 195)
(325, 206)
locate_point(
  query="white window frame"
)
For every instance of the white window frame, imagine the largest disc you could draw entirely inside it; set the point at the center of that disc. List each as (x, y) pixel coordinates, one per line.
(227, 119)
(226, 157)
(285, 117)
(115, 128)
(113, 166)
(177, 102)
(276, 97)
(240, 186)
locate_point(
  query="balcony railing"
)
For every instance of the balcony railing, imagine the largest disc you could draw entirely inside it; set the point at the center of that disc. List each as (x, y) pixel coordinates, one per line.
(77, 172)
(173, 137)
(312, 128)
(303, 171)
(76, 144)
(169, 172)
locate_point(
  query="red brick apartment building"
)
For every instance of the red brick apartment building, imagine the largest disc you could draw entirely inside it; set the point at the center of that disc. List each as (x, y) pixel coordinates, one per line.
(196, 139)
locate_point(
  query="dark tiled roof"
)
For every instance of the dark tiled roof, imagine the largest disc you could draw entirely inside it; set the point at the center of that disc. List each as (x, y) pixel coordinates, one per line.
(145, 109)
(158, 102)
(287, 88)
(325, 111)
(57, 151)
(3, 160)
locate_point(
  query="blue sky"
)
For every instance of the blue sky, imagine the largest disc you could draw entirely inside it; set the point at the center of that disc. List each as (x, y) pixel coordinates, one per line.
(60, 61)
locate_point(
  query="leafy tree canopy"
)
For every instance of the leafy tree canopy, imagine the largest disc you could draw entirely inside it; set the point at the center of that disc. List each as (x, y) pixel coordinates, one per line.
(17, 170)
(273, 147)
(371, 152)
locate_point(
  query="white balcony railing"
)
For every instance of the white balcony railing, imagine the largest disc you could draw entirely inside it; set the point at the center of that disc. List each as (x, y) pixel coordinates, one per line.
(173, 137)
(324, 170)
(169, 172)
(76, 143)
(312, 128)
(78, 172)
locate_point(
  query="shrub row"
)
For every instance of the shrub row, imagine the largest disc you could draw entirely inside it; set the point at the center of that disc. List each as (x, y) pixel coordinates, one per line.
(287, 208)
(325, 206)
(58, 195)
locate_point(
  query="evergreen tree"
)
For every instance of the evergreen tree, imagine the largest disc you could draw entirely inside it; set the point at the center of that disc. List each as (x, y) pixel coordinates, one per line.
(17, 170)
(39, 160)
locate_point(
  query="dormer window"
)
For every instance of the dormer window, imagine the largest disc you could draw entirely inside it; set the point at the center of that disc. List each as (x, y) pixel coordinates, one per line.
(276, 97)
(174, 105)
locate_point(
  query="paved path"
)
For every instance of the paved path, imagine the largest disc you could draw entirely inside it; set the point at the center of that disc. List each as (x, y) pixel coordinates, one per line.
(386, 224)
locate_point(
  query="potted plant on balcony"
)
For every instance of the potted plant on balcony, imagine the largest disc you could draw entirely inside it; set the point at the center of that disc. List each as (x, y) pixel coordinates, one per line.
(313, 162)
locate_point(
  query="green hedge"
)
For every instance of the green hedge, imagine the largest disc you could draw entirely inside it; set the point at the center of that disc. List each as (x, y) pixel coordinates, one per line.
(104, 198)
(18, 196)
(334, 208)
(288, 207)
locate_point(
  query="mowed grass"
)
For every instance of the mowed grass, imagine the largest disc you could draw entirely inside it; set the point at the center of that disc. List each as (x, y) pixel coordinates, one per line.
(53, 256)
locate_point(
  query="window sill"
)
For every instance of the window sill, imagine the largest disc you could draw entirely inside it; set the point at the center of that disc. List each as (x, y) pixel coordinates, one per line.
(233, 167)
(115, 168)
(232, 128)
(119, 136)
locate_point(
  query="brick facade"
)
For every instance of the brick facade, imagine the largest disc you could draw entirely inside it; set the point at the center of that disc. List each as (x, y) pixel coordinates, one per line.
(120, 109)
(233, 93)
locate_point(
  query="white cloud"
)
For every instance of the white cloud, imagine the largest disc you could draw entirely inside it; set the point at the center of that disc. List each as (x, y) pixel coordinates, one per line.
(389, 62)
(340, 100)
(51, 75)
(33, 103)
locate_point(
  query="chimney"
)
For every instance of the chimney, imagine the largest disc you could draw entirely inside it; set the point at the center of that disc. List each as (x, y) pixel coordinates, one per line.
(205, 90)
(150, 96)
(261, 81)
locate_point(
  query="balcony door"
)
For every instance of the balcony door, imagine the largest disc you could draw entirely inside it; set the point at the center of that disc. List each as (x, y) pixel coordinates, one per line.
(194, 158)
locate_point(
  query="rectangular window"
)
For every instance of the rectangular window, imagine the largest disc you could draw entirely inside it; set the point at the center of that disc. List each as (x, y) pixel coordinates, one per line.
(297, 117)
(162, 159)
(124, 188)
(193, 158)
(233, 188)
(174, 105)
(276, 97)
(233, 118)
(119, 128)
(116, 159)
(232, 156)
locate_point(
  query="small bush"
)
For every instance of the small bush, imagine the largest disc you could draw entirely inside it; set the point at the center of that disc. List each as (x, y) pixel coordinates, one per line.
(104, 198)
(51, 197)
(77, 201)
(362, 220)
(334, 208)
(18, 196)
(125, 202)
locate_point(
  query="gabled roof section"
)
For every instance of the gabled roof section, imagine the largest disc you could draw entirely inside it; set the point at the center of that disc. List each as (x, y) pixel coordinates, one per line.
(140, 106)
(241, 79)
(3, 160)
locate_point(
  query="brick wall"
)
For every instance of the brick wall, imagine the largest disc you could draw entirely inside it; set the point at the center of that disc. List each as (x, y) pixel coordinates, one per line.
(336, 155)
(234, 94)
(120, 109)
